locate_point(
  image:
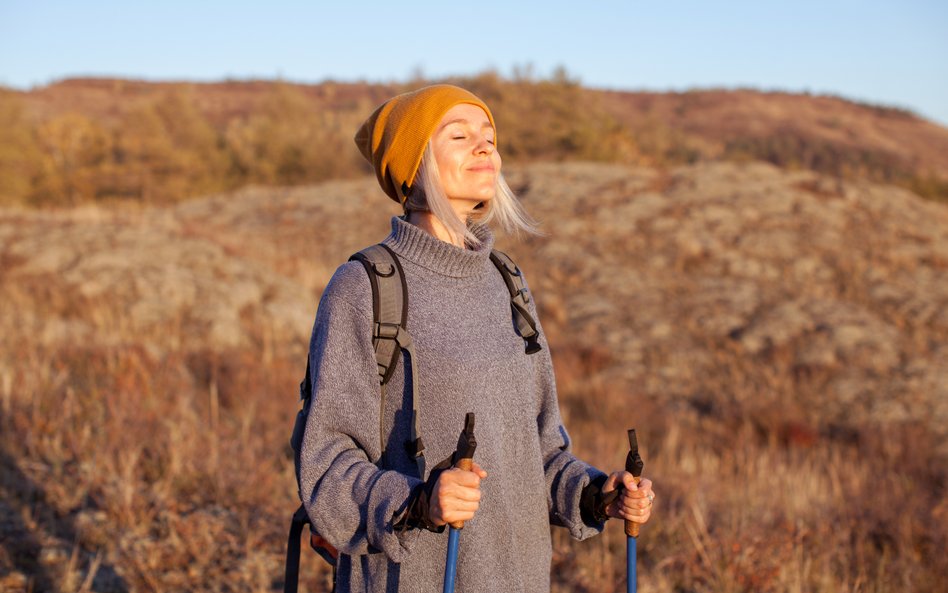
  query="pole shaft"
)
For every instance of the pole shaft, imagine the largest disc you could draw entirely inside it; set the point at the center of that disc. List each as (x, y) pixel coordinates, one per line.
(464, 456)
(630, 552)
(634, 465)
(451, 564)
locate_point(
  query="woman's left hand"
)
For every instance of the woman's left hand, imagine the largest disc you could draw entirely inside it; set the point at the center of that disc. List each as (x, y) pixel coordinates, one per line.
(634, 502)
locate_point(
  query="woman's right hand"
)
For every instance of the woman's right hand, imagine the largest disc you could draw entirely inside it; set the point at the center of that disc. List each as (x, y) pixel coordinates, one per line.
(456, 495)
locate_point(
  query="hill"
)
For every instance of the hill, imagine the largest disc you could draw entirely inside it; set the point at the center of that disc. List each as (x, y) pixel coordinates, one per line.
(98, 140)
(779, 339)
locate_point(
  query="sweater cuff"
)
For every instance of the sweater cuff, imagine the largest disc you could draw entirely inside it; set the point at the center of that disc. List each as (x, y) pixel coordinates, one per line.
(417, 515)
(388, 499)
(592, 504)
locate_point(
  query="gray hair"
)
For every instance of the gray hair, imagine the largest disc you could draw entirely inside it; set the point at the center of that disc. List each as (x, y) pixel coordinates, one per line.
(504, 210)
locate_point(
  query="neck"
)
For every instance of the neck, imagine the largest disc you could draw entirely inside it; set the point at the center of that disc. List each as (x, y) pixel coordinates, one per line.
(430, 223)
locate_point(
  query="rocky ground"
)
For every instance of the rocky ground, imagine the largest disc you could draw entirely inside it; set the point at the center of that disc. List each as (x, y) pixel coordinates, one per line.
(841, 288)
(720, 297)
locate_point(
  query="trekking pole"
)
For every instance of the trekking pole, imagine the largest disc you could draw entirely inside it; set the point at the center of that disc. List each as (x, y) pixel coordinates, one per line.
(633, 465)
(465, 461)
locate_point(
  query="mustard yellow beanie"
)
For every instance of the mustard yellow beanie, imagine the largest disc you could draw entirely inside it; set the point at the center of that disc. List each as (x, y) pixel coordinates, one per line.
(394, 137)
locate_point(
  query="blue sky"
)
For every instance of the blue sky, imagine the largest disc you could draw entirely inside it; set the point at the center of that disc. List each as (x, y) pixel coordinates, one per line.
(892, 53)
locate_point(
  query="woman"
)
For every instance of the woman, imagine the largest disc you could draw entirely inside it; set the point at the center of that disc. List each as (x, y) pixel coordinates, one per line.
(435, 152)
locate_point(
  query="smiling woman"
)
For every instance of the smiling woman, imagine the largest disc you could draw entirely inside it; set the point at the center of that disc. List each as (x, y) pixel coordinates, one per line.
(435, 151)
(460, 184)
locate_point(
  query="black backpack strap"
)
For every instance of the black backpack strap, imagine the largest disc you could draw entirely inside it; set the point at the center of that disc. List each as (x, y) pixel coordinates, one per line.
(390, 334)
(519, 300)
(299, 427)
(389, 304)
(291, 577)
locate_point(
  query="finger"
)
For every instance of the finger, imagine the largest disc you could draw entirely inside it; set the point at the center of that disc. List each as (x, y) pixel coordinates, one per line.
(639, 518)
(445, 507)
(467, 479)
(451, 514)
(449, 489)
(610, 484)
(614, 510)
(477, 469)
(639, 499)
(460, 506)
(626, 505)
(617, 510)
(462, 493)
(636, 515)
(629, 481)
(644, 488)
(630, 497)
(458, 515)
(459, 510)
(645, 515)
(646, 485)
(636, 506)
(634, 498)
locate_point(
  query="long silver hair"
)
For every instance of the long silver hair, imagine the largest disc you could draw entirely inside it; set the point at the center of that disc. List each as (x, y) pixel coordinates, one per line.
(503, 211)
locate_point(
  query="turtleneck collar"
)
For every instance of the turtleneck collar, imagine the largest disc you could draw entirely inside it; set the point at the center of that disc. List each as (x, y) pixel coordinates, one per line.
(426, 250)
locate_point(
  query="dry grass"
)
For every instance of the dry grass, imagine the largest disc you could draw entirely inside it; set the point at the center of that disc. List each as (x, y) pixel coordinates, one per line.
(792, 449)
(754, 500)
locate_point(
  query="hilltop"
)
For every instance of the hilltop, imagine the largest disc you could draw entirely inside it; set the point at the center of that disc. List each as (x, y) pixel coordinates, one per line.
(779, 338)
(102, 140)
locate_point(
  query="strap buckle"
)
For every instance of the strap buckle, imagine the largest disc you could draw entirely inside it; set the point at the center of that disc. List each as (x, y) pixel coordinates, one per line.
(415, 448)
(387, 331)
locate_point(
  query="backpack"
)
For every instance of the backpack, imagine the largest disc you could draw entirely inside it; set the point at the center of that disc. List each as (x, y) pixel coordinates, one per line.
(389, 337)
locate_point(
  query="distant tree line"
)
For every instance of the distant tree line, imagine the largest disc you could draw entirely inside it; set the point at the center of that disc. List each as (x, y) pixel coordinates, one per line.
(169, 149)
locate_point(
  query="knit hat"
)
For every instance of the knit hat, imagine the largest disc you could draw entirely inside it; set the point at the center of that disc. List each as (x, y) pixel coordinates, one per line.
(394, 137)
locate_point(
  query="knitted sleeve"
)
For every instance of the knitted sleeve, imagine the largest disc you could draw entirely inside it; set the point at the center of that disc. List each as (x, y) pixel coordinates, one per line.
(566, 476)
(351, 502)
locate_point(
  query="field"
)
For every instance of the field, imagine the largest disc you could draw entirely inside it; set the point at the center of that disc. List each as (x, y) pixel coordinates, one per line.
(779, 338)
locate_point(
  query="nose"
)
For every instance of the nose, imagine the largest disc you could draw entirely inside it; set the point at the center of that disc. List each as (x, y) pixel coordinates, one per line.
(484, 146)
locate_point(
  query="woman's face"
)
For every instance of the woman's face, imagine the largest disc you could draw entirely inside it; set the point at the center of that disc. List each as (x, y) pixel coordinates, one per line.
(463, 147)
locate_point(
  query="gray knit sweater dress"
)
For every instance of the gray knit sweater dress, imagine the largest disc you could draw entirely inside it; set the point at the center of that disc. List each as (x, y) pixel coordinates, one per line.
(470, 359)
